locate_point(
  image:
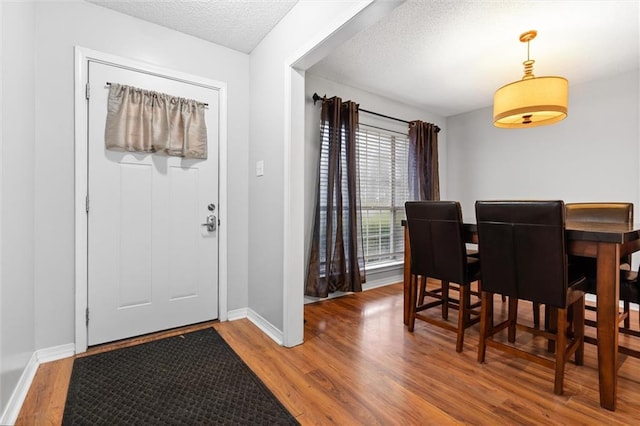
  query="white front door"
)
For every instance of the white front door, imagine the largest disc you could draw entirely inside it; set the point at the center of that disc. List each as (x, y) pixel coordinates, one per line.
(151, 263)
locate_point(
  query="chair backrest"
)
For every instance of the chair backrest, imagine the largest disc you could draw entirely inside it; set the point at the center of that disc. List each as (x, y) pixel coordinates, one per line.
(600, 212)
(522, 249)
(436, 239)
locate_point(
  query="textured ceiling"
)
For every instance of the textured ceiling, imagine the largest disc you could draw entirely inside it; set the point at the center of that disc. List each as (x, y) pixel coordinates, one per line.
(236, 24)
(445, 56)
(449, 56)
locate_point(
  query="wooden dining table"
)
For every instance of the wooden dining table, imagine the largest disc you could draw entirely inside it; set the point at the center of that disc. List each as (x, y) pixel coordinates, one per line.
(607, 242)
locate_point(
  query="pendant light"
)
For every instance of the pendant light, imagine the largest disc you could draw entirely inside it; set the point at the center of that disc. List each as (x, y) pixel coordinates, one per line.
(532, 101)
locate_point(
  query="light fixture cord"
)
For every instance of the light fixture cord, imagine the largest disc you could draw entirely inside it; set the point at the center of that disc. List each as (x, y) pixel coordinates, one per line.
(528, 65)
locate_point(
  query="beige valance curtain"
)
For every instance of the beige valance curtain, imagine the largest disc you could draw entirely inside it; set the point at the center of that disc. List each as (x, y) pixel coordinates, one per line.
(144, 121)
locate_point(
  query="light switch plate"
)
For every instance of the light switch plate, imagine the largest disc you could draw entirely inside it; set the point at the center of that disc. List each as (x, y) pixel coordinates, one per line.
(260, 168)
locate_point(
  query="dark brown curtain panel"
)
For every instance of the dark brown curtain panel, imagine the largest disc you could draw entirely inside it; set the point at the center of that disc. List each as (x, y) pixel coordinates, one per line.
(336, 261)
(424, 182)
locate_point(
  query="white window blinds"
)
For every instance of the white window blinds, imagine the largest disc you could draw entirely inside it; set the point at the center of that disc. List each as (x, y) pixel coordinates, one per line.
(382, 167)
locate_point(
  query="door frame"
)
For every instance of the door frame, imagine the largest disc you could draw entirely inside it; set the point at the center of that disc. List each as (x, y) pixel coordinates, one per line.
(81, 57)
(356, 18)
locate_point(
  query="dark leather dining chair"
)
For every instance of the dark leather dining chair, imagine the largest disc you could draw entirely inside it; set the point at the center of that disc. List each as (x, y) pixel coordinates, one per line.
(621, 213)
(524, 257)
(629, 293)
(616, 212)
(438, 252)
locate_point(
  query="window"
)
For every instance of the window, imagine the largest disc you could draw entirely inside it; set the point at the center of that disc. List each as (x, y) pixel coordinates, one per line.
(382, 158)
(382, 167)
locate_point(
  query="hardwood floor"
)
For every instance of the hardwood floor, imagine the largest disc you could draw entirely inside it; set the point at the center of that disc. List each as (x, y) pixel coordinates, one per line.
(359, 365)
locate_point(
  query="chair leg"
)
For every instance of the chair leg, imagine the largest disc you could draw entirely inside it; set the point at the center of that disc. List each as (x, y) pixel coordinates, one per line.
(413, 284)
(486, 321)
(467, 301)
(561, 350)
(463, 312)
(513, 319)
(445, 300)
(551, 315)
(536, 314)
(627, 310)
(578, 329)
(421, 290)
(547, 313)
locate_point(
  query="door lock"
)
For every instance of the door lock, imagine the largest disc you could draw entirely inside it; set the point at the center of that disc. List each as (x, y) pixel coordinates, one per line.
(211, 223)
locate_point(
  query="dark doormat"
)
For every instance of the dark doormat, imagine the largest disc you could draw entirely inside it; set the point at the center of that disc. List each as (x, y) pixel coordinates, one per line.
(195, 378)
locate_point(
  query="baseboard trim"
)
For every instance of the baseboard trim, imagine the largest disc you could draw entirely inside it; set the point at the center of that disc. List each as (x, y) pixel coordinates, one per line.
(55, 353)
(12, 410)
(370, 285)
(14, 405)
(266, 327)
(237, 314)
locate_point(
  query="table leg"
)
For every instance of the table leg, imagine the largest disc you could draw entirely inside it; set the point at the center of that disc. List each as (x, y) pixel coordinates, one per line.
(407, 272)
(608, 289)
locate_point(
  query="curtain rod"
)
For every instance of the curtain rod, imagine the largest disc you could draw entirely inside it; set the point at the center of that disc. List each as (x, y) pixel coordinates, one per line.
(108, 83)
(317, 97)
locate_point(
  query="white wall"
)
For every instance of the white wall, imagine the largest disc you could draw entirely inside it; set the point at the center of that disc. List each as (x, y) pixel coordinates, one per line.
(59, 27)
(296, 34)
(37, 187)
(592, 155)
(18, 139)
(368, 101)
(2, 402)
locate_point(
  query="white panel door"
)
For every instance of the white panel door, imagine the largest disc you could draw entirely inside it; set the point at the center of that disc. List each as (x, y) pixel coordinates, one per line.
(151, 264)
